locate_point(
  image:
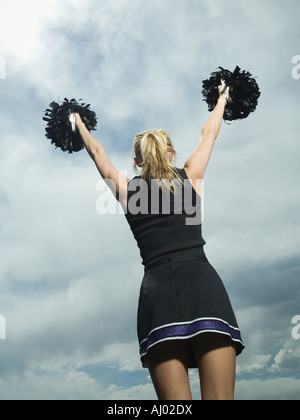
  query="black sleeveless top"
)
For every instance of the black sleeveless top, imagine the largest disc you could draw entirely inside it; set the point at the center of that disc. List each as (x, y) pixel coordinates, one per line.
(163, 222)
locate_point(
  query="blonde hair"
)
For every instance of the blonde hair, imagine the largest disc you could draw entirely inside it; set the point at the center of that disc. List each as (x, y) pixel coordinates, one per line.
(152, 149)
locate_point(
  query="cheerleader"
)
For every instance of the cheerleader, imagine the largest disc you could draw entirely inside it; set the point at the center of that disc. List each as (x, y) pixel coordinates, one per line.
(185, 318)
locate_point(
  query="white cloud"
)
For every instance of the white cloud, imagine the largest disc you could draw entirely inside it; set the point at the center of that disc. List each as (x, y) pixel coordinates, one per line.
(288, 358)
(54, 385)
(256, 365)
(270, 389)
(137, 393)
(121, 355)
(19, 25)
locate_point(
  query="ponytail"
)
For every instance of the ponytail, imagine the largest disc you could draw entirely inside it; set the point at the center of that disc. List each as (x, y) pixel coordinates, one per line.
(152, 150)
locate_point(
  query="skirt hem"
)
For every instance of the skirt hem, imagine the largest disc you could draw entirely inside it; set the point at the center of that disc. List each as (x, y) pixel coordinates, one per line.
(189, 330)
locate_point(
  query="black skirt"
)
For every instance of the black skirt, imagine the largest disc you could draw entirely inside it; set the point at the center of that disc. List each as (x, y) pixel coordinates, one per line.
(181, 297)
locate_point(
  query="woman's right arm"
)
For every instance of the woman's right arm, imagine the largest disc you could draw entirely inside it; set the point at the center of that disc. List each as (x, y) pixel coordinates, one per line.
(108, 172)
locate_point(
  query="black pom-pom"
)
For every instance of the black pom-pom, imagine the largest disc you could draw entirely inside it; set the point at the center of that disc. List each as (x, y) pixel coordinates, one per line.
(244, 92)
(59, 128)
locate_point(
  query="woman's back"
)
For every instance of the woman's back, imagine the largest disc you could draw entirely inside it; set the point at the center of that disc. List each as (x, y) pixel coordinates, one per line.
(164, 222)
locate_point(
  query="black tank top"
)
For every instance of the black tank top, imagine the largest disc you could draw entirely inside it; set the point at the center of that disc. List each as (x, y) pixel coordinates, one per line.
(164, 223)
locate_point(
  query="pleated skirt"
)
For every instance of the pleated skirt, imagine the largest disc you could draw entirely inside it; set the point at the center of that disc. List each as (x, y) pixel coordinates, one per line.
(182, 296)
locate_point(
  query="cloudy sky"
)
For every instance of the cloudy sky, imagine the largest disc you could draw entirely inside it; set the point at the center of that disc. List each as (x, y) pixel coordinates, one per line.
(70, 277)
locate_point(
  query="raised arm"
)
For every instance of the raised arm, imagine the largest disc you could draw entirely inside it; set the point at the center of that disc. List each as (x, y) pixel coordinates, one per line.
(196, 164)
(115, 179)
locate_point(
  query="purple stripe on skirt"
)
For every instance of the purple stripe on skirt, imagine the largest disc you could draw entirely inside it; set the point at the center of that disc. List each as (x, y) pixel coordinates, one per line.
(186, 330)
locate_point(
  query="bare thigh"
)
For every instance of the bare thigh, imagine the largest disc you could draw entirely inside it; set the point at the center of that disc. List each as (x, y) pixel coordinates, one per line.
(216, 359)
(167, 363)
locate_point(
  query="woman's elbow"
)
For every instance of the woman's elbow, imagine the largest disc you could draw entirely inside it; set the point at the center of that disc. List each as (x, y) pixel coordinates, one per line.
(94, 152)
(208, 132)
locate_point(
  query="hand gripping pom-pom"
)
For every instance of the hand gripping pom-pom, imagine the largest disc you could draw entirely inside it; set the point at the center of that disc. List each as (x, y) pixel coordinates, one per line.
(59, 127)
(243, 90)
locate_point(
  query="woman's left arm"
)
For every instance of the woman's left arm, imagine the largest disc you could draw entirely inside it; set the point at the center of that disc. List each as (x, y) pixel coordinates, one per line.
(196, 164)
